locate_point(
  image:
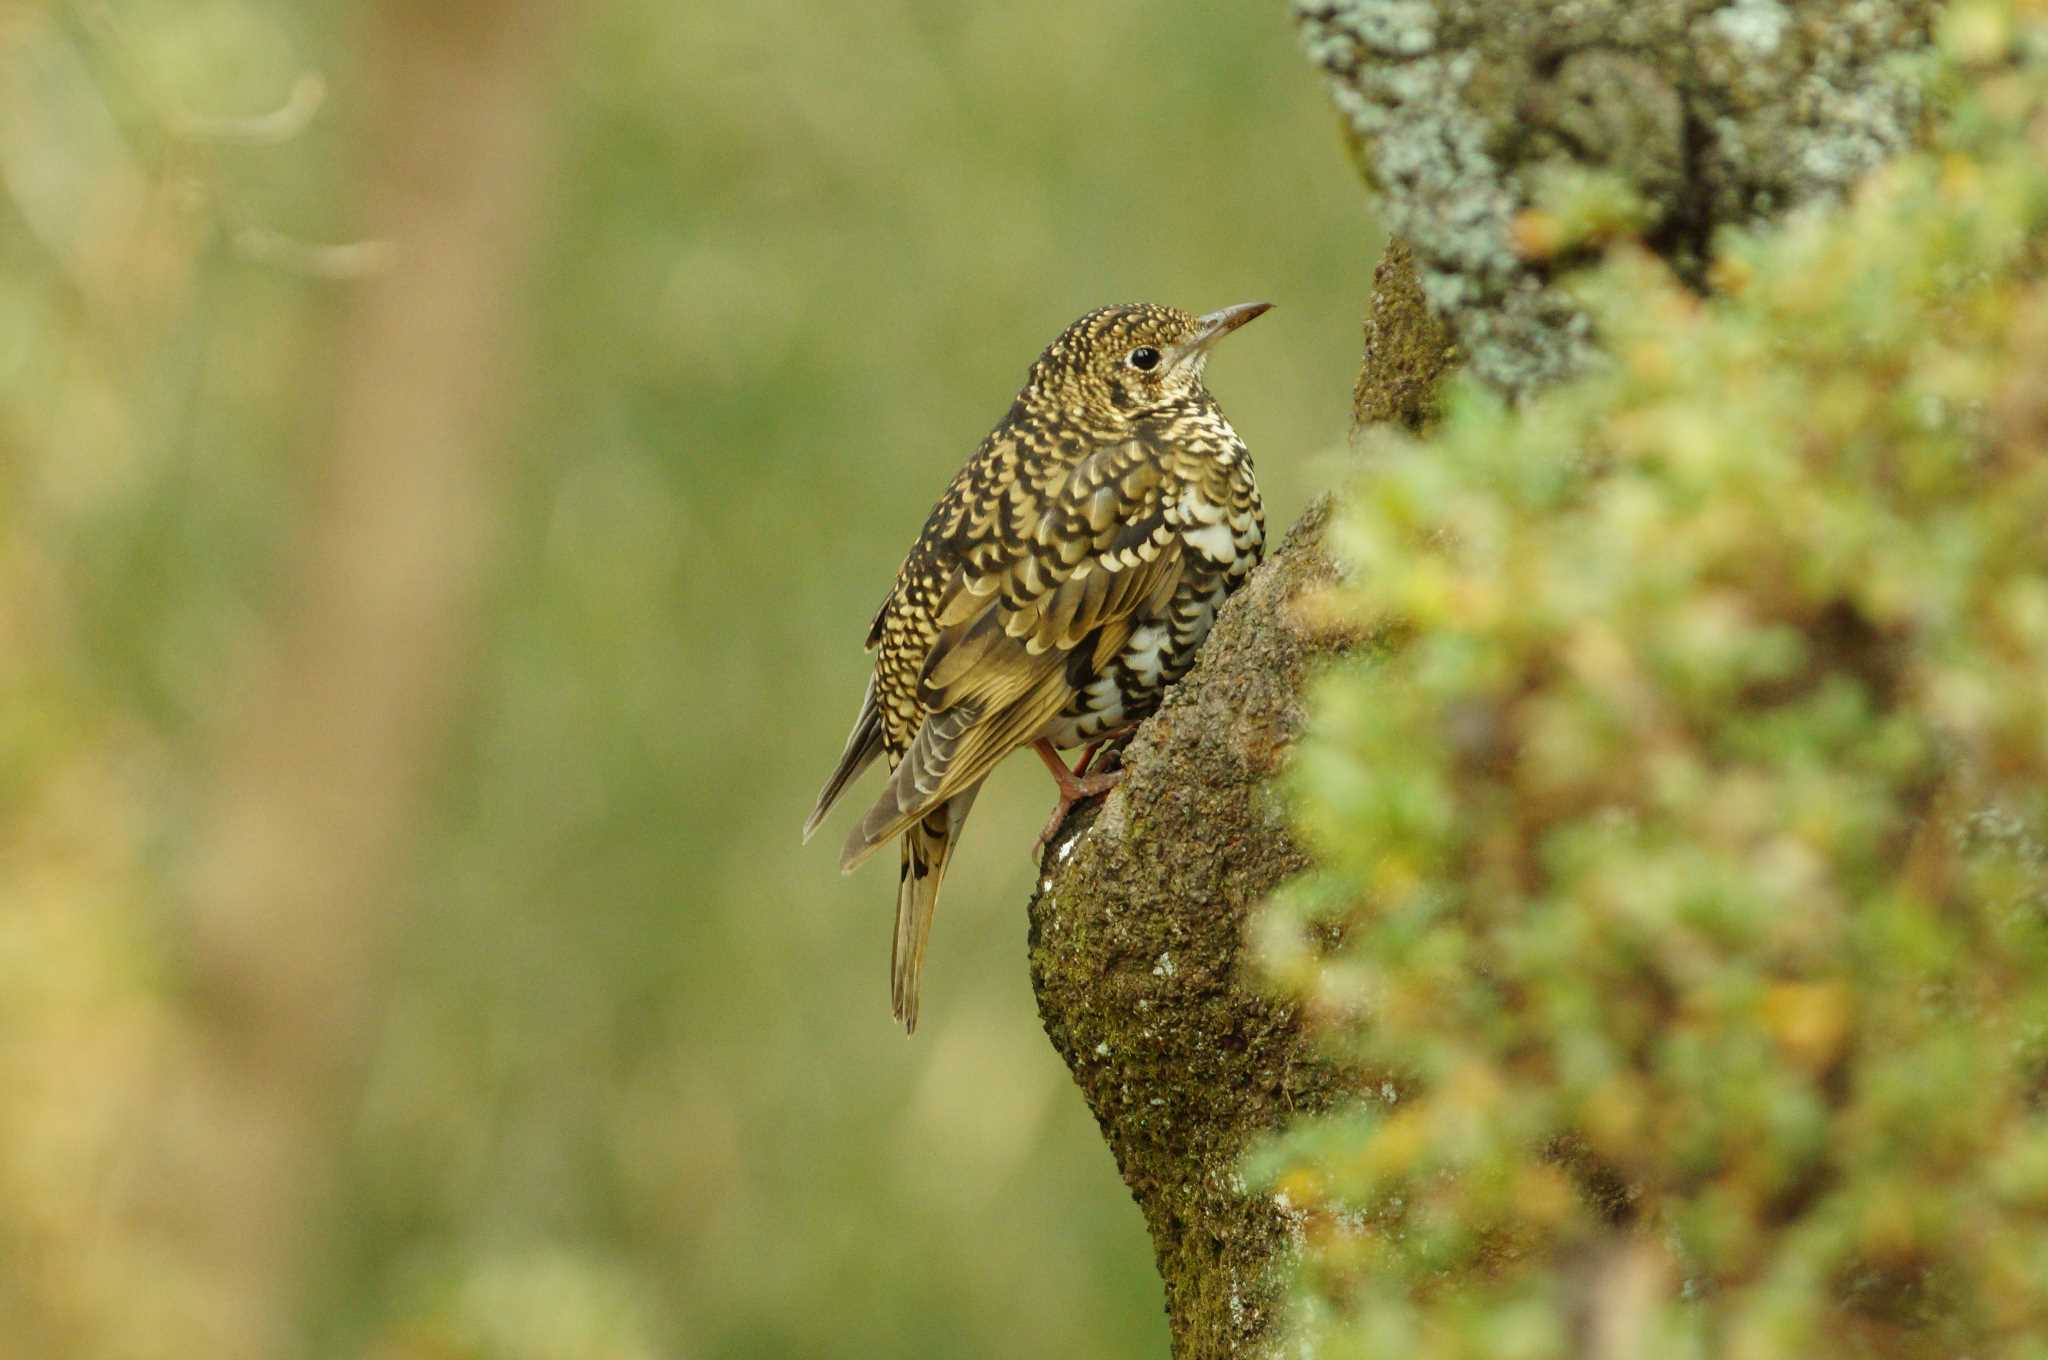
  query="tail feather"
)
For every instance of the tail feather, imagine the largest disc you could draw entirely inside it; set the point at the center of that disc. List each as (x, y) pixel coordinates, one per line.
(914, 787)
(927, 846)
(863, 744)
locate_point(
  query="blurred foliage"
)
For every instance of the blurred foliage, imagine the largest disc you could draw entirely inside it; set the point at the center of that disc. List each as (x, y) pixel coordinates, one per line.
(1683, 841)
(635, 1091)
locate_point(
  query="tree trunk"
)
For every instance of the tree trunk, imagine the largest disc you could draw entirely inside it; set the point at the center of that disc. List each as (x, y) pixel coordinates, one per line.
(1710, 115)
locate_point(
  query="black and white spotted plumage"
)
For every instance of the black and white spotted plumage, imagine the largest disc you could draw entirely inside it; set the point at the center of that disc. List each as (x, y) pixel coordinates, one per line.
(1063, 581)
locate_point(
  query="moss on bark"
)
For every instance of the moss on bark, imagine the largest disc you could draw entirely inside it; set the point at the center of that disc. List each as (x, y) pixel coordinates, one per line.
(1137, 957)
(1408, 349)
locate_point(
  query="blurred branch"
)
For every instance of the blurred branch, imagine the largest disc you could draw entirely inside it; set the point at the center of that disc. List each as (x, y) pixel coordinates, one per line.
(338, 260)
(275, 128)
(300, 885)
(281, 125)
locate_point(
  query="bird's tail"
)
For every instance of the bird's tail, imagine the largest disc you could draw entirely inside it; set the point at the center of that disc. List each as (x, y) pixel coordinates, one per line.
(927, 846)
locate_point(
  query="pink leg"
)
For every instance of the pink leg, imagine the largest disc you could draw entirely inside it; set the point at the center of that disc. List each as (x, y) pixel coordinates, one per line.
(1073, 788)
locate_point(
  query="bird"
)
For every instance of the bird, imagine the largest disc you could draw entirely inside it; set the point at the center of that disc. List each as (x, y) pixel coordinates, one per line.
(1063, 581)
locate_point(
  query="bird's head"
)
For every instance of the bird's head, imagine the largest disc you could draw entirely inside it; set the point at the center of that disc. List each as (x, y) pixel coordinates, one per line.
(1117, 365)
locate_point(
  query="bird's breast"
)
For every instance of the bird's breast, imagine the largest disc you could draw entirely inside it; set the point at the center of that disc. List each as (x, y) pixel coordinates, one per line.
(1217, 512)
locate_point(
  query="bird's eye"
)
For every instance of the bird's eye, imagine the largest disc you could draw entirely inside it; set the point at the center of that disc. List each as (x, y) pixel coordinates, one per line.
(1144, 358)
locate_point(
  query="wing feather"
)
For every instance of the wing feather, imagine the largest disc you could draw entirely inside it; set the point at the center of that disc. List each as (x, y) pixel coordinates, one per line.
(1070, 564)
(863, 744)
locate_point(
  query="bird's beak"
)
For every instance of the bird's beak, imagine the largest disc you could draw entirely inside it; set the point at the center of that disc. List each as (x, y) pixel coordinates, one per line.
(1216, 325)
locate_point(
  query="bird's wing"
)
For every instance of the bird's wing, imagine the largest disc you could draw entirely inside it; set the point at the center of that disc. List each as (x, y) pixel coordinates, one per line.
(863, 744)
(1047, 585)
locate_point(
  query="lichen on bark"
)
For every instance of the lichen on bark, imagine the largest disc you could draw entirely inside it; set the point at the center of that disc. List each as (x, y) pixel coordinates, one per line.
(1713, 114)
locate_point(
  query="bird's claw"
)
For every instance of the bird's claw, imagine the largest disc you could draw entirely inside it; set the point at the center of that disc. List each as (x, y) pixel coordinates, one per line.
(1076, 789)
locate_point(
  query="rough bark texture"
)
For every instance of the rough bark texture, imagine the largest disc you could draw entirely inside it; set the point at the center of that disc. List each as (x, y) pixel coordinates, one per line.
(1137, 959)
(1715, 114)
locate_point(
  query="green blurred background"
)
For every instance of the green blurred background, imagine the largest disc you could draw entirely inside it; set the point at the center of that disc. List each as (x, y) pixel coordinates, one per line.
(635, 1090)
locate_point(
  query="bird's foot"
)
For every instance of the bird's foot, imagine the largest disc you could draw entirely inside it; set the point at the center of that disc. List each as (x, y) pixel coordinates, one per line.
(1074, 788)
(1087, 787)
